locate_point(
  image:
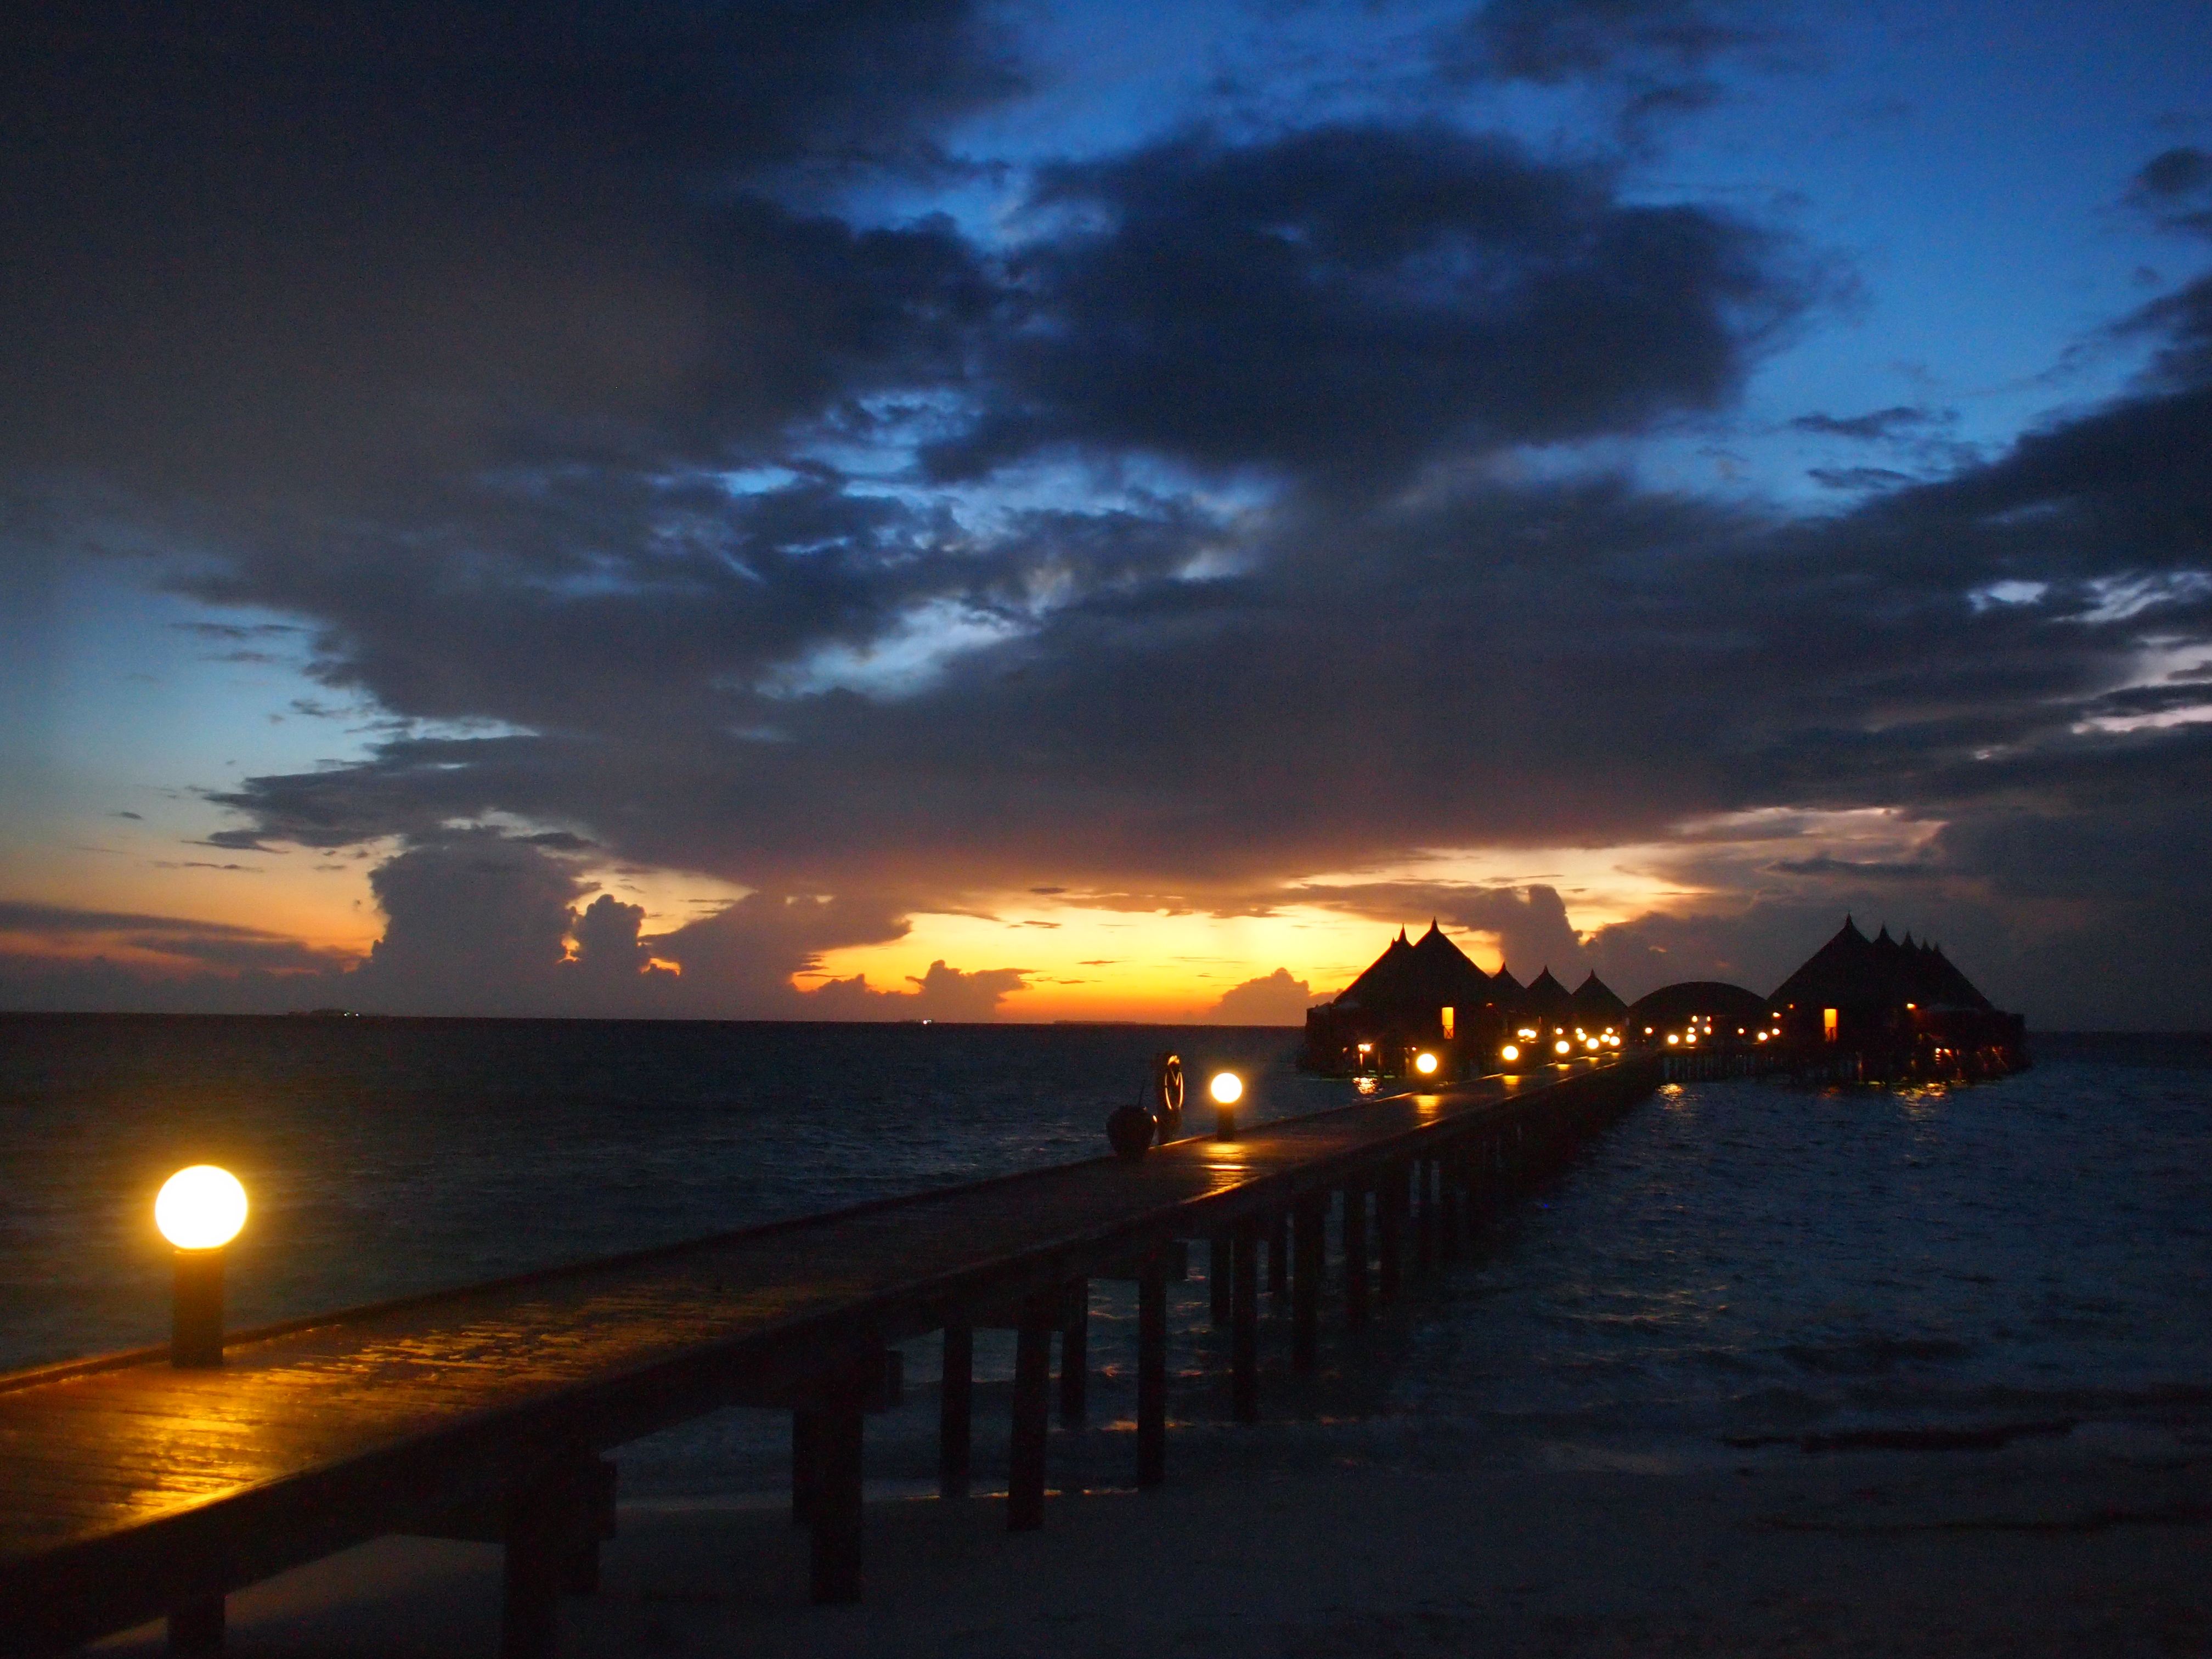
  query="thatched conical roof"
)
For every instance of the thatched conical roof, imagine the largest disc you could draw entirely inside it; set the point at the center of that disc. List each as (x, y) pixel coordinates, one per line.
(1595, 1006)
(1432, 975)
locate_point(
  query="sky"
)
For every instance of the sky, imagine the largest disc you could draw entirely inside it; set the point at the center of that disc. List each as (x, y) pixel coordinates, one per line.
(877, 511)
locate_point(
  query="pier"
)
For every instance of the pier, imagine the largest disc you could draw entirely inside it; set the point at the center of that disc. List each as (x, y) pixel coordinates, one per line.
(134, 1489)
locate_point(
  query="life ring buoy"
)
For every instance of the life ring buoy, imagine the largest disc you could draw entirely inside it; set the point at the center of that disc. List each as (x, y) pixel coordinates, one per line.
(1167, 1094)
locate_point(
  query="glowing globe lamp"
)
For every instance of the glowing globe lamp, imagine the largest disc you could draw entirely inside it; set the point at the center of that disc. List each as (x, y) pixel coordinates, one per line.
(1510, 1053)
(1425, 1064)
(1227, 1089)
(201, 1208)
(199, 1211)
(1562, 1047)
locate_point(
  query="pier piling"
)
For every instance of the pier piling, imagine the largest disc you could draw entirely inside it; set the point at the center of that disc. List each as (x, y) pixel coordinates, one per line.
(956, 1411)
(1310, 1237)
(1355, 1256)
(1032, 1378)
(1390, 1233)
(1075, 1356)
(1151, 1373)
(1244, 1325)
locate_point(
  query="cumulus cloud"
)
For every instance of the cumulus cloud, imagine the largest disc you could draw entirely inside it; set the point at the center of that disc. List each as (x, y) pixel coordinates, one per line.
(942, 993)
(1344, 301)
(1274, 999)
(2174, 190)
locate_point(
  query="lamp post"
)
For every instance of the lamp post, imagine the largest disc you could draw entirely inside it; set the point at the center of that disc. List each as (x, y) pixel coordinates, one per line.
(199, 1211)
(1227, 1089)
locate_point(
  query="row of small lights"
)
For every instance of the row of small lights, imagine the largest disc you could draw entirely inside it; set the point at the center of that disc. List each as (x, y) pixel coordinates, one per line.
(1591, 1044)
(1690, 1040)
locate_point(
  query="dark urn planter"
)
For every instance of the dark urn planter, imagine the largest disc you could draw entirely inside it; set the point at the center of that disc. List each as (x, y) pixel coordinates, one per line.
(1130, 1129)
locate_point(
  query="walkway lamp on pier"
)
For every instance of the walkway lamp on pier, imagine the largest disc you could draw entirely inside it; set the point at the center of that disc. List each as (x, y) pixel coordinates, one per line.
(1510, 1053)
(1562, 1047)
(1426, 1063)
(199, 1211)
(1227, 1089)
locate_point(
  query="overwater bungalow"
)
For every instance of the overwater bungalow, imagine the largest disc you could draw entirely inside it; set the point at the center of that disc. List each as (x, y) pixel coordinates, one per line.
(1901, 1009)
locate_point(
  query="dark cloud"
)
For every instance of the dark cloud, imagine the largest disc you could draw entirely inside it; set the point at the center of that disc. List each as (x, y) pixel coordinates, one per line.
(43, 941)
(1873, 870)
(1274, 999)
(942, 993)
(608, 947)
(1890, 422)
(1343, 301)
(474, 924)
(1857, 477)
(1647, 61)
(277, 252)
(1549, 41)
(2174, 189)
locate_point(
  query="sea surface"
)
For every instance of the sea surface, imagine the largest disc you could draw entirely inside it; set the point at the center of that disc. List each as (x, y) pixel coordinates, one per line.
(1732, 1261)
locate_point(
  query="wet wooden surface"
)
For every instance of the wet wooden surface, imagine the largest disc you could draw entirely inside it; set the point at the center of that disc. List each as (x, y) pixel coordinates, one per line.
(127, 1486)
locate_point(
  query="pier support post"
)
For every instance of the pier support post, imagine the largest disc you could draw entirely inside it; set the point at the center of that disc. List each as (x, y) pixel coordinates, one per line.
(1151, 1373)
(1309, 1249)
(196, 1625)
(956, 1411)
(805, 1474)
(538, 1533)
(1216, 1279)
(1451, 1220)
(1278, 1254)
(1031, 1413)
(1355, 1256)
(1075, 1355)
(1424, 1217)
(1390, 1233)
(836, 1521)
(1244, 1325)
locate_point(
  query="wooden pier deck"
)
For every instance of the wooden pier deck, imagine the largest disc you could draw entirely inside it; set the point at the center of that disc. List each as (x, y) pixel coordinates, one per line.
(133, 1488)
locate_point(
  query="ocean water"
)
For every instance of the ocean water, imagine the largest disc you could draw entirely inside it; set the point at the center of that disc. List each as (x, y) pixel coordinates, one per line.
(1732, 1261)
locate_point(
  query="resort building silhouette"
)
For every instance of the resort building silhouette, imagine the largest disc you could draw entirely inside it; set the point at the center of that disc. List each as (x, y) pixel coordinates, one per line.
(1880, 1010)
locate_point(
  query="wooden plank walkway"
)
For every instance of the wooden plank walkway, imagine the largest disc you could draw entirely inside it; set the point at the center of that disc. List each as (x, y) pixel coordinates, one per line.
(133, 1488)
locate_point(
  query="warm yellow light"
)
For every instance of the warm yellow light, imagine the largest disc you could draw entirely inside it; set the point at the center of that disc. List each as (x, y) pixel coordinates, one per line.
(1508, 1054)
(201, 1208)
(1591, 1043)
(1562, 1047)
(1425, 1064)
(1527, 1034)
(1762, 1036)
(1691, 1039)
(1612, 1041)
(1671, 1038)
(1366, 1047)
(1227, 1088)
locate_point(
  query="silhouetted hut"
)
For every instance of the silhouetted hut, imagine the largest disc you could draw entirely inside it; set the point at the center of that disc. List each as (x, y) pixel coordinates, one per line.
(1596, 1010)
(1415, 996)
(1547, 1004)
(1696, 1012)
(1901, 1009)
